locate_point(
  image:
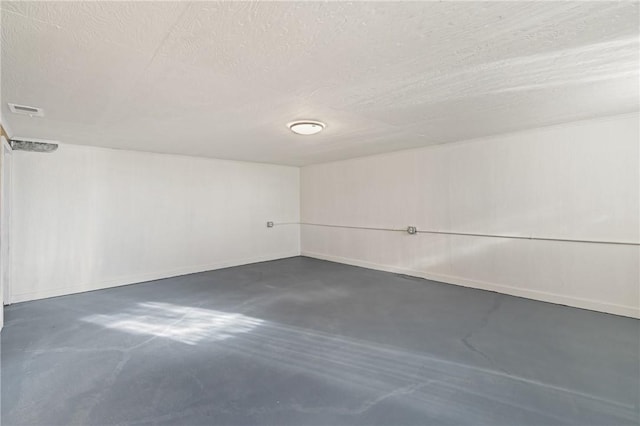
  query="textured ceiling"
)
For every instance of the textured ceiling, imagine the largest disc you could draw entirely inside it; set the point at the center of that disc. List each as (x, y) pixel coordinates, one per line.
(223, 79)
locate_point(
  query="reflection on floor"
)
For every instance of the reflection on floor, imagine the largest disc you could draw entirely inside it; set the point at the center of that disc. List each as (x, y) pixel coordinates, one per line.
(180, 323)
(302, 341)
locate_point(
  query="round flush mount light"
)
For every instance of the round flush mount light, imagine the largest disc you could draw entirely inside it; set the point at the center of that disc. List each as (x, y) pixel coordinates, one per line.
(306, 127)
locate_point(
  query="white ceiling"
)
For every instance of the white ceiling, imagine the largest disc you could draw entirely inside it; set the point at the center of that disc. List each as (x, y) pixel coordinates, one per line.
(221, 79)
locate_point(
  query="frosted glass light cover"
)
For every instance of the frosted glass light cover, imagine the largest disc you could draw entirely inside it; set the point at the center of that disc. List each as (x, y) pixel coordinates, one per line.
(306, 127)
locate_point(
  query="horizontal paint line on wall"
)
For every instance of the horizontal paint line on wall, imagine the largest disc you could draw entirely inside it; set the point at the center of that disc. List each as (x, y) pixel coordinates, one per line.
(467, 234)
(145, 277)
(555, 298)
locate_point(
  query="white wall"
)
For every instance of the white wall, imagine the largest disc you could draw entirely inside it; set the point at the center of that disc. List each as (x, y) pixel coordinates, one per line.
(5, 185)
(86, 218)
(576, 181)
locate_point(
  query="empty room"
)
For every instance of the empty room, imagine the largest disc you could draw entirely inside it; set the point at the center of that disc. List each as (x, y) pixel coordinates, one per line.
(320, 213)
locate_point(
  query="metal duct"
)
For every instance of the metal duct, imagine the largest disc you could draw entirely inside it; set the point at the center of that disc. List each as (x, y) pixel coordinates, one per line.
(18, 145)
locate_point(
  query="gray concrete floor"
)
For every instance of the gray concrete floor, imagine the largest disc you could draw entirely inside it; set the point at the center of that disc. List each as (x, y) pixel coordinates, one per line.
(306, 342)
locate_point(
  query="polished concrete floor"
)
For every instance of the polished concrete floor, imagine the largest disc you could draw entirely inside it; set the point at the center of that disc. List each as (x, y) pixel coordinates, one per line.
(307, 342)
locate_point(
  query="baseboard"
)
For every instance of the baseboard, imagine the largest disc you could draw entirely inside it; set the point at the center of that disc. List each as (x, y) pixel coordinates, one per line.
(139, 278)
(592, 305)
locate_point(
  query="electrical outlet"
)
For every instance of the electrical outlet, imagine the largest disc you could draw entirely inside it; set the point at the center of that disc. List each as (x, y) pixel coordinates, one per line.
(269, 224)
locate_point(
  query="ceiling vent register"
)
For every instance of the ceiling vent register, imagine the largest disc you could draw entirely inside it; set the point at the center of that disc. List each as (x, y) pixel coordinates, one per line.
(26, 110)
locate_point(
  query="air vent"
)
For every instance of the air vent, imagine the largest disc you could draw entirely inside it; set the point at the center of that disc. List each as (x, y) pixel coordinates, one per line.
(26, 110)
(33, 146)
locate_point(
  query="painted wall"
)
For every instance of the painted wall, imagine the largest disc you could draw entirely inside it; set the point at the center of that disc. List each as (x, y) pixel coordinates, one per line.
(5, 170)
(576, 181)
(86, 218)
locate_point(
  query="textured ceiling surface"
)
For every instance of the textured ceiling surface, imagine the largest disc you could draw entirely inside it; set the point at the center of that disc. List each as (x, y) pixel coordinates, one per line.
(222, 79)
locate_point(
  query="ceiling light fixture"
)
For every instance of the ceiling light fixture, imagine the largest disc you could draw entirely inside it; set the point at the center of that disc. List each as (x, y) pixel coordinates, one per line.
(306, 127)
